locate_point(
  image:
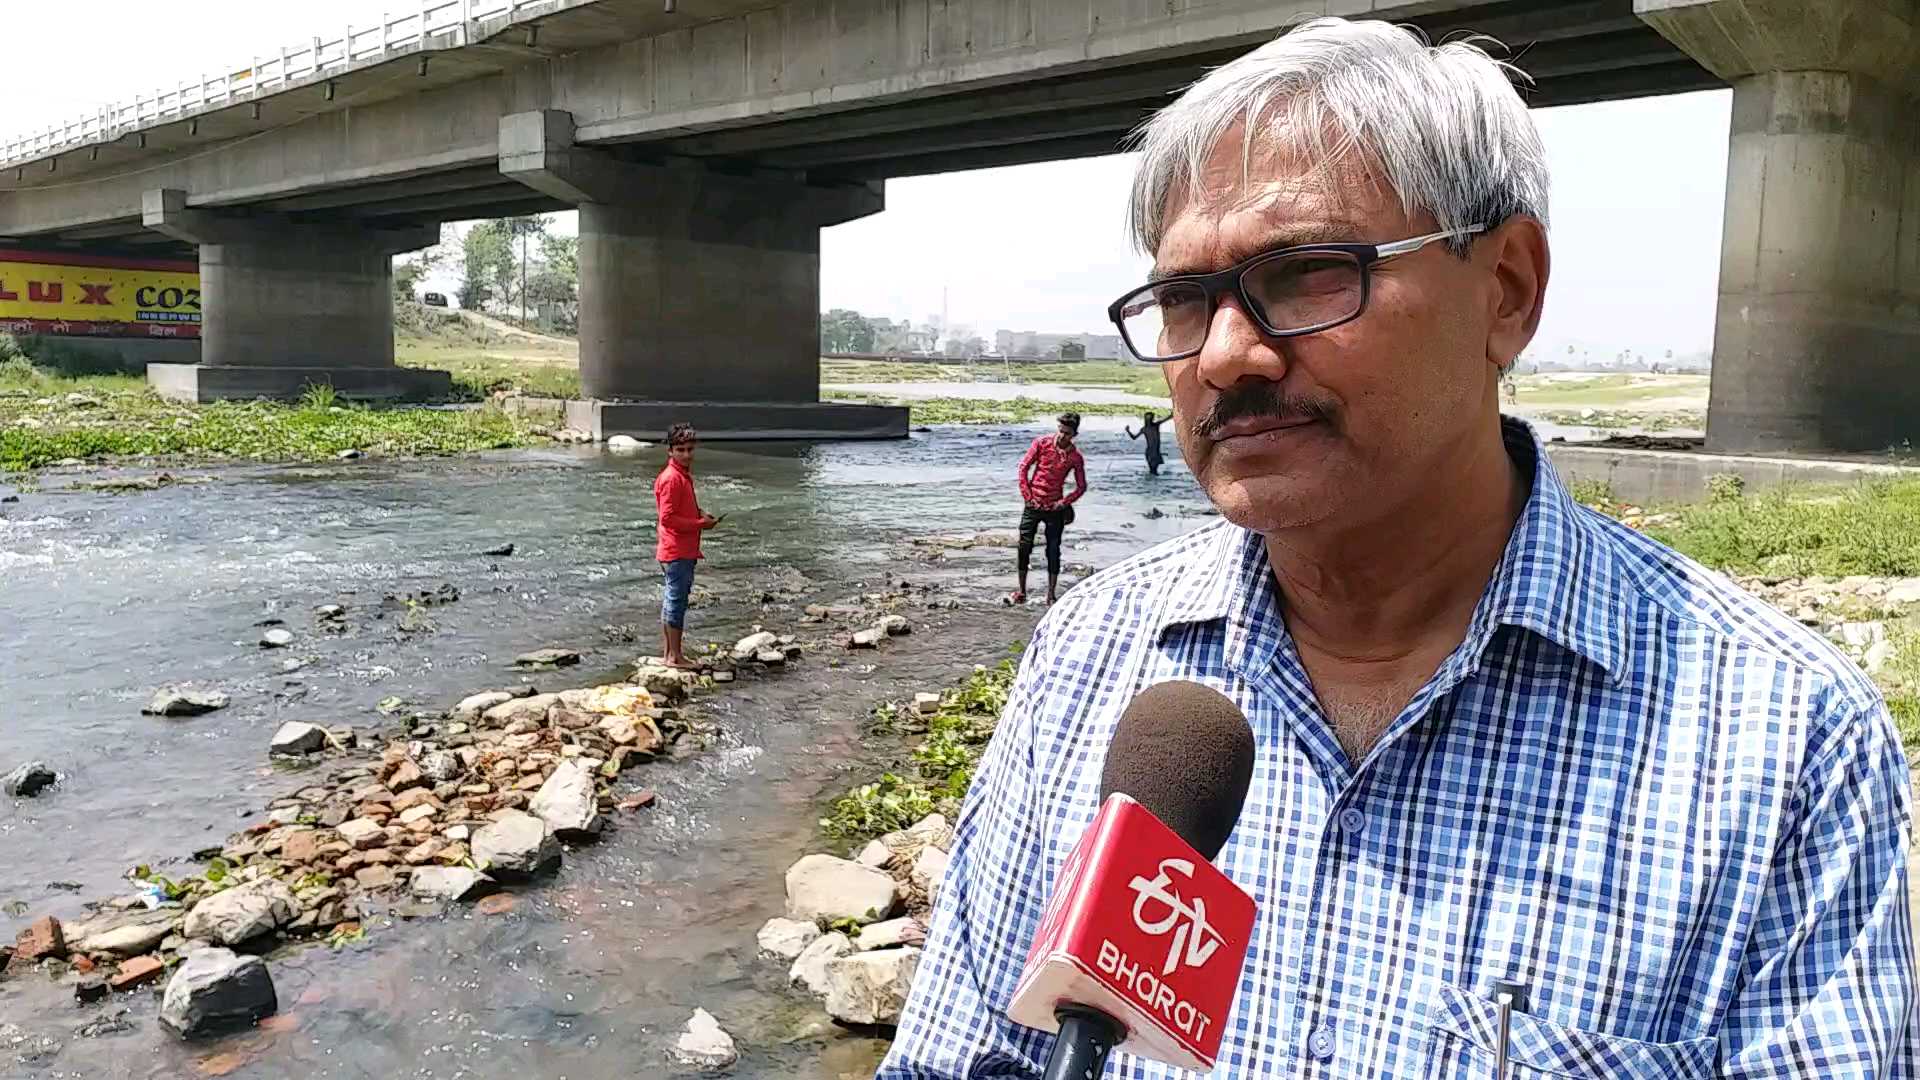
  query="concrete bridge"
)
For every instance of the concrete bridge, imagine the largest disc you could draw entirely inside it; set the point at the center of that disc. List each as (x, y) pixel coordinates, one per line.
(706, 146)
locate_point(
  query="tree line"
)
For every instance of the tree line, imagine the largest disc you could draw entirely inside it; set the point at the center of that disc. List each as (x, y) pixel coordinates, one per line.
(513, 266)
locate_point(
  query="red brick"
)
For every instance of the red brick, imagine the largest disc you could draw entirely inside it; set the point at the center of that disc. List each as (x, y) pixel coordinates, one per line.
(41, 940)
(137, 972)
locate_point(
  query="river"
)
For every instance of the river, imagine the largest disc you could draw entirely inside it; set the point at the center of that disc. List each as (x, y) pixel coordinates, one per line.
(590, 976)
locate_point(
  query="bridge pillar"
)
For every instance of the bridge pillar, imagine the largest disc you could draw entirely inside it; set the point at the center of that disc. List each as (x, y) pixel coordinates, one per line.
(1817, 338)
(699, 292)
(285, 306)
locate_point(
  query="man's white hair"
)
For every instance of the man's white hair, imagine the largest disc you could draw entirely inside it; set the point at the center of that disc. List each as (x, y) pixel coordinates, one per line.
(1441, 125)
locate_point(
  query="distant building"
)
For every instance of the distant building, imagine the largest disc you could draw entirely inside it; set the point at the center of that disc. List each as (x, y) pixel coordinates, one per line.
(1032, 344)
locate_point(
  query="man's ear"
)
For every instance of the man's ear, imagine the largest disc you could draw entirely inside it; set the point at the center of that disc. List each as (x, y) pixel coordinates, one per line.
(1518, 255)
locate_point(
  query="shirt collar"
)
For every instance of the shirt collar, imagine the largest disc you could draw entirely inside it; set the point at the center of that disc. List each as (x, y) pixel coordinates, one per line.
(1557, 578)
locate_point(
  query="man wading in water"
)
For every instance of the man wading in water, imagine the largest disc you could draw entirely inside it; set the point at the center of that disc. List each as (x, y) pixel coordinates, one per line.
(1151, 429)
(678, 548)
(1043, 477)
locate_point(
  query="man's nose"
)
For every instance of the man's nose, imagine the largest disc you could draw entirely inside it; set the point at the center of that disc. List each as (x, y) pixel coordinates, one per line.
(1236, 347)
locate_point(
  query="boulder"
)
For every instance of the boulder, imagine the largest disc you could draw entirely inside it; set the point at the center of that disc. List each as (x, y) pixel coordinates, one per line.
(362, 833)
(442, 766)
(242, 913)
(770, 657)
(929, 870)
(809, 972)
(890, 934)
(752, 644)
(625, 444)
(296, 738)
(28, 780)
(567, 802)
(926, 704)
(875, 854)
(703, 1045)
(470, 708)
(867, 639)
(786, 939)
(276, 639)
(932, 831)
(828, 889)
(216, 989)
(450, 883)
(174, 701)
(543, 658)
(518, 844)
(122, 933)
(532, 708)
(872, 987)
(894, 625)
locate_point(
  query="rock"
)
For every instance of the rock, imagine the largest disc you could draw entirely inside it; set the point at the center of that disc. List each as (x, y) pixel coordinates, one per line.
(723, 676)
(215, 989)
(875, 854)
(871, 988)
(174, 701)
(471, 707)
(417, 813)
(891, 934)
(703, 1045)
(1876, 657)
(786, 939)
(752, 644)
(88, 989)
(929, 870)
(624, 444)
(123, 934)
(825, 888)
(405, 775)
(302, 847)
(567, 802)
(276, 639)
(414, 798)
(295, 739)
(894, 625)
(362, 833)
(867, 639)
(138, 972)
(502, 551)
(44, 940)
(113, 1023)
(809, 972)
(640, 800)
(1862, 635)
(330, 611)
(442, 766)
(933, 831)
(543, 658)
(458, 833)
(242, 913)
(1902, 592)
(374, 877)
(349, 455)
(28, 780)
(518, 844)
(926, 704)
(770, 657)
(450, 883)
(532, 708)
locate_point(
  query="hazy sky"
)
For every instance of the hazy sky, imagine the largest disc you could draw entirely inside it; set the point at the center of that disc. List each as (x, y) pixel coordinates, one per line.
(1636, 203)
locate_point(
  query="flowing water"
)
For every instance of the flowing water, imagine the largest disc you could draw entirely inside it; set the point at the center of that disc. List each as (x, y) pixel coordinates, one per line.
(104, 597)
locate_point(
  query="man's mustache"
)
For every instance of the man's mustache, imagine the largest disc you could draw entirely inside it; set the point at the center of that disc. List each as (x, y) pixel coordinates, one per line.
(1259, 399)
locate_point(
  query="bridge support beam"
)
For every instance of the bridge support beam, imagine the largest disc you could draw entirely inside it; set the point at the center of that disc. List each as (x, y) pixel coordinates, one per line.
(699, 292)
(1817, 339)
(286, 306)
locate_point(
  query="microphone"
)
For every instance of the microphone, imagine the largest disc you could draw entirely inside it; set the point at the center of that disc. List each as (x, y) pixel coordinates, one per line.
(1142, 942)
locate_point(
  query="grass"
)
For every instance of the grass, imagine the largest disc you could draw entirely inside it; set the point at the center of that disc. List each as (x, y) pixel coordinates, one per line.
(1871, 528)
(115, 417)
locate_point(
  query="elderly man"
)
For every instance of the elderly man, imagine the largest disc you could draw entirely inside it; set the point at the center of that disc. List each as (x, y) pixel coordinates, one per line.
(1500, 738)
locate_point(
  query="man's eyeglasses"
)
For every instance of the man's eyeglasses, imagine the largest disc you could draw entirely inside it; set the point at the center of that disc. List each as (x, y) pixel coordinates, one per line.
(1289, 292)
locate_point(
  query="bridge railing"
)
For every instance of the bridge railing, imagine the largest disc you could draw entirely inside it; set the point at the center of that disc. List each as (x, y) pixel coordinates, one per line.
(266, 74)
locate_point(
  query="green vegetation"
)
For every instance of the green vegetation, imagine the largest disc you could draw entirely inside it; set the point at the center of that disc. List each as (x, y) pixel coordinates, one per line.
(1872, 528)
(47, 418)
(1625, 419)
(942, 763)
(1020, 410)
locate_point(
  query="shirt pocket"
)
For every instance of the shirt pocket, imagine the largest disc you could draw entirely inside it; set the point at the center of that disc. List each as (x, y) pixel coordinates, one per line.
(1462, 1032)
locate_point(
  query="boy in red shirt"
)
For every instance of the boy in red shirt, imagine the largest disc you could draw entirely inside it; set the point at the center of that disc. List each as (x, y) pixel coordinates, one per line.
(1043, 478)
(678, 548)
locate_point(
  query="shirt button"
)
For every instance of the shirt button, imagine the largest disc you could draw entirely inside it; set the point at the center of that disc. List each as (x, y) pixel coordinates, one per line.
(1320, 1043)
(1353, 822)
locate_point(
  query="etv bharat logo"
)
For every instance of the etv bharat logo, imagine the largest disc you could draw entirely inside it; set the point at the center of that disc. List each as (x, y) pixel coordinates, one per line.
(1193, 940)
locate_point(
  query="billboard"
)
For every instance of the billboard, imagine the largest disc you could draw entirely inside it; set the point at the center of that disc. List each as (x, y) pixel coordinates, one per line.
(73, 295)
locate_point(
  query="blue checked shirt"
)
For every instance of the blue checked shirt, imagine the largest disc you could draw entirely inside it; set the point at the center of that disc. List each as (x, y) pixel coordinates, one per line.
(1674, 815)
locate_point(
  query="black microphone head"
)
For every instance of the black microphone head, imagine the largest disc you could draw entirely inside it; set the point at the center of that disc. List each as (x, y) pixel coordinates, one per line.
(1185, 753)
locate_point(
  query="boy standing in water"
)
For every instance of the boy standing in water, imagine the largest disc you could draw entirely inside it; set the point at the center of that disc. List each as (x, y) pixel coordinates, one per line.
(678, 548)
(1043, 480)
(1151, 429)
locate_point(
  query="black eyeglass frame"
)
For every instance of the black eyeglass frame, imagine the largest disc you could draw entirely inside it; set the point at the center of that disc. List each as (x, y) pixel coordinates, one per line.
(1232, 280)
